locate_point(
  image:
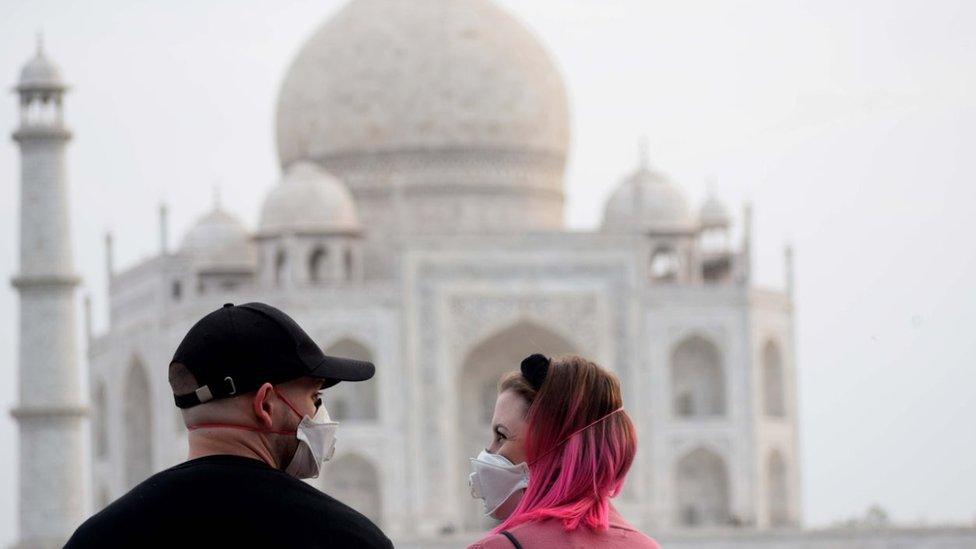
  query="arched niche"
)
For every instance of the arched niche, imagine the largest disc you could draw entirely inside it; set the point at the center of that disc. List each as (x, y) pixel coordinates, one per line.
(349, 400)
(777, 491)
(354, 480)
(137, 424)
(697, 379)
(701, 490)
(317, 265)
(774, 398)
(477, 386)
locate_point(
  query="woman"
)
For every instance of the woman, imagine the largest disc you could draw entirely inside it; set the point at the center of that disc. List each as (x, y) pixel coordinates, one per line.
(561, 448)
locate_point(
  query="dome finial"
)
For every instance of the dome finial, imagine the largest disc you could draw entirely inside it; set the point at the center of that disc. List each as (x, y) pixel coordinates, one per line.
(216, 195)
(40, 43)
(642, 152)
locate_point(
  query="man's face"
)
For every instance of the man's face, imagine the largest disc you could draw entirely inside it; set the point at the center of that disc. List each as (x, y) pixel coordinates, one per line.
(305, 394)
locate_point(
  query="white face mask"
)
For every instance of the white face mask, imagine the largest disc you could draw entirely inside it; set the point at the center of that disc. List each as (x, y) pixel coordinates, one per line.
(316, 443)
(495, 479)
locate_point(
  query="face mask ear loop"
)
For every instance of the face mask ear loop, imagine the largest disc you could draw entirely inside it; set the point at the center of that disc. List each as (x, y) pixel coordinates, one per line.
(248, 427)
(573, 434)
(285, 400)
(239, 427)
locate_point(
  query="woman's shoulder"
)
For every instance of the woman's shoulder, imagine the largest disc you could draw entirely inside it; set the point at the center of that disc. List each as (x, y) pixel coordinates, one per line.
(495, 541)
(550, 533)
(534, 533)
(635, 539)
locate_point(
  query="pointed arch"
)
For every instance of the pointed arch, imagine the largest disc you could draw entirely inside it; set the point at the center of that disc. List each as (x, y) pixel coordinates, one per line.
(777, 490)
(477, 382)
(352, 401)
(774, 399)
(701, 489)
(697, 379)
(137, 414)
(355, 481)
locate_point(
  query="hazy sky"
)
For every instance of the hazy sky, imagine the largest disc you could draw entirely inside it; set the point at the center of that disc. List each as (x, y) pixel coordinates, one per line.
(849, 125)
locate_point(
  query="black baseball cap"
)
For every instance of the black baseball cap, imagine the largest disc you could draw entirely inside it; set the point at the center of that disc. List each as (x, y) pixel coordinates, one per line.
(238, 348)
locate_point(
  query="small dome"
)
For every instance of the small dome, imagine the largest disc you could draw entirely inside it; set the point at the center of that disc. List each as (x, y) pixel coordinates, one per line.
(40, 73)
(647, 202)
(309, 200)
(714, 214)
(219, 240)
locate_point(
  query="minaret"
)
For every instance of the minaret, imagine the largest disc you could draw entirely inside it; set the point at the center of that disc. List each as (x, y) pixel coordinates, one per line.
(51, 412)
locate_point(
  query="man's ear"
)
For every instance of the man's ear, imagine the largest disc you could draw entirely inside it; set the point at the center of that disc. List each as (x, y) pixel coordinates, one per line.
(263, 407)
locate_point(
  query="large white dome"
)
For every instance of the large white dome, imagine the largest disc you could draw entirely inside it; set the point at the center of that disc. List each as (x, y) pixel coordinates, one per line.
(219, 241)
(403, 76)
(308, 200)
(648, 202)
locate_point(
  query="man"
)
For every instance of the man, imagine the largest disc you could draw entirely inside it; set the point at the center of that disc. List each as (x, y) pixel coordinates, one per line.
(249, 381)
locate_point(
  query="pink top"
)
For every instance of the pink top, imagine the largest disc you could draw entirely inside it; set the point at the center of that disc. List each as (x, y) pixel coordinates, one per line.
(550, 533)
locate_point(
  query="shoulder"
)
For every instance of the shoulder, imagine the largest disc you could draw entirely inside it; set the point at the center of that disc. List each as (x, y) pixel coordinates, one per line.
(633, 538)
(550, 533)
(85, 535)
(338, 520)
(495, 541)
(116, 521)
(546, 532)
(639, 540)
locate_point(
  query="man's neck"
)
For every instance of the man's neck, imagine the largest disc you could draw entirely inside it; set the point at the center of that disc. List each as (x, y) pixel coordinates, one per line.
(208, 442)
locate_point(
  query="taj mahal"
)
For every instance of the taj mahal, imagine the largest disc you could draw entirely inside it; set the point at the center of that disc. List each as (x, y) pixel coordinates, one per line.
(418, 224)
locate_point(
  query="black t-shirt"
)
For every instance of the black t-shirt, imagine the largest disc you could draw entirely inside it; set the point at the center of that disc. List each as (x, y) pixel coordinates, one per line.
(227, 501)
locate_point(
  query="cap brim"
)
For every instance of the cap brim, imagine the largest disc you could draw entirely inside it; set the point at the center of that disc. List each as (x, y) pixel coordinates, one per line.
(336, 369)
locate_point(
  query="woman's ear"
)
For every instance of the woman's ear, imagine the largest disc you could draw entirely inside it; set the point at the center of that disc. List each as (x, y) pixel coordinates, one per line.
(263, 407)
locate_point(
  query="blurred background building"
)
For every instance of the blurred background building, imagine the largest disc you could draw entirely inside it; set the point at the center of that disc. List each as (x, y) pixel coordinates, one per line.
(418, 223)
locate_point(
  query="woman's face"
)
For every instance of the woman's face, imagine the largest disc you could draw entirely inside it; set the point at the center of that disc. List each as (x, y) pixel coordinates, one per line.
(508, 439)
(508, 427)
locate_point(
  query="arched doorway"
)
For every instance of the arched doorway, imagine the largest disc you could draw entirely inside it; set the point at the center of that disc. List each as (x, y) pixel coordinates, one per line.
(697, 379)
(701, 490)
(774, 403)
(137, 409)
(478, 389)
(777, 491)
(352, 401)
(353, 480)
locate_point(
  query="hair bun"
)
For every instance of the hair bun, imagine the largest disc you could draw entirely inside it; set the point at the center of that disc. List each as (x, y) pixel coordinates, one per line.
(534, 369)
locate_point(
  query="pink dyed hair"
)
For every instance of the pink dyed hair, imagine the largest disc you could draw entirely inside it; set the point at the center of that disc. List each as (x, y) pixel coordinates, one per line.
(579, 447)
